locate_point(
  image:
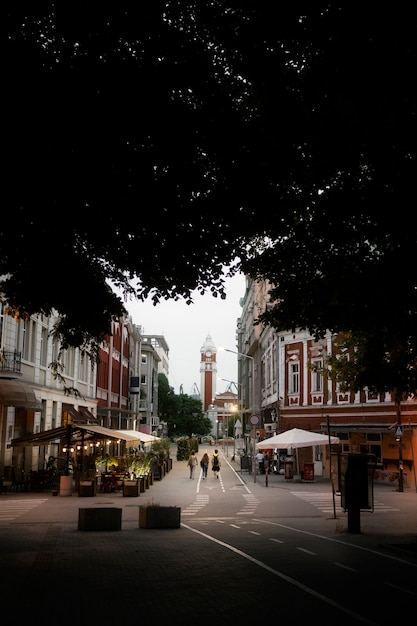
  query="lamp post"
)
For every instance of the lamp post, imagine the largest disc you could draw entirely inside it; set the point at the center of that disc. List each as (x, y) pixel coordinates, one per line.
(252, 418)
(234, 409)
(227, 435)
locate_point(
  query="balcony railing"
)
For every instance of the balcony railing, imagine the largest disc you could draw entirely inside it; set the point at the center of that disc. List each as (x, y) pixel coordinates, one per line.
(10, 361)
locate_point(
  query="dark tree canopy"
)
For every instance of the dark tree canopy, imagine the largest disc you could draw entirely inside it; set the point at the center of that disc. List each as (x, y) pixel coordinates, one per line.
(159, 142)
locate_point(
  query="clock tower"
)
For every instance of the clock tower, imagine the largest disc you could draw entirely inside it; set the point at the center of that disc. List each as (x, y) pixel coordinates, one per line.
(208, 372)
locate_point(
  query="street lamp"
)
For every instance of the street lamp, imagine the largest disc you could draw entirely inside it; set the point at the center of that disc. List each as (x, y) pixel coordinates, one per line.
(253, 419)
(232, 382)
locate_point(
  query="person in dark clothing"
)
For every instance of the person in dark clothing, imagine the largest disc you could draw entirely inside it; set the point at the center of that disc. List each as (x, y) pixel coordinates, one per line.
(215, 463)
(204, 464)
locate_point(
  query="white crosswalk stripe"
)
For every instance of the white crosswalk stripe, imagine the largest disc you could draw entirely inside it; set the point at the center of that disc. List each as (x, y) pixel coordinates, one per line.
(250, 506)
(10, 509)
(192, 509)
(324, 502)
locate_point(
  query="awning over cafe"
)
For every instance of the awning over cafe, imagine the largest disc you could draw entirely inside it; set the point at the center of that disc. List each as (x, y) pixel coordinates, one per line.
(108, 432)
(71, 431)
(139, 436)
(18, 394)
(41, 439)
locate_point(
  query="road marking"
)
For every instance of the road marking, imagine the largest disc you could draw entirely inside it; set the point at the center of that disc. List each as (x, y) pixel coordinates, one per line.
(250, 506)
(402, 589)
(307, 551)
(324, 502)
(10, 509)
(192, 509)
(283, 576)
(351, 569)
(331, 539)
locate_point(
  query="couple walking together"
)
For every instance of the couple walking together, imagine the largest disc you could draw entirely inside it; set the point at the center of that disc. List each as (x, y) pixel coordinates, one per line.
(215, 464)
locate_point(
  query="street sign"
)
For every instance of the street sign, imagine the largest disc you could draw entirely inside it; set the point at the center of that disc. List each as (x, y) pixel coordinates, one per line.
(254, 420)
(398, 431)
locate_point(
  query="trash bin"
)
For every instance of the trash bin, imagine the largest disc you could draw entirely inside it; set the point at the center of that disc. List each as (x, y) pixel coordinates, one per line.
(289, 469)
(309, 471)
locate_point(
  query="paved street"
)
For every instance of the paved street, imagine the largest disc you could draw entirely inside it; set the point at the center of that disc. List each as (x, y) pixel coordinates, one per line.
(243, 548)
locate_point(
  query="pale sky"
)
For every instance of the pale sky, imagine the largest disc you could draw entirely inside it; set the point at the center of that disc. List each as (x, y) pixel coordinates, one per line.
(185, 328)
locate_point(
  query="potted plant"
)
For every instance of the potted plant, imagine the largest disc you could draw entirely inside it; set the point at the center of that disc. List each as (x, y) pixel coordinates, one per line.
(153, 515)
(138, 468)
(131, 487)
(106, 462)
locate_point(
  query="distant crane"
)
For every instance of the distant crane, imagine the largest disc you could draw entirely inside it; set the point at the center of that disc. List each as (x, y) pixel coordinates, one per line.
(195, 392)
(230, 385)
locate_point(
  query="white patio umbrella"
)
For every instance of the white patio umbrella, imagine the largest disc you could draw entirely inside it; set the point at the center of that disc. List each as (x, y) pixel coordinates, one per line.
(296, 438)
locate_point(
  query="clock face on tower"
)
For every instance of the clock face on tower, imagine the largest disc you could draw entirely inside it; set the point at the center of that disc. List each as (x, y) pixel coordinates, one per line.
(208, 352)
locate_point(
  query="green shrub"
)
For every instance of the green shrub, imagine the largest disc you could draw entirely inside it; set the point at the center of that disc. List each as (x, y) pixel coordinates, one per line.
(185, 447)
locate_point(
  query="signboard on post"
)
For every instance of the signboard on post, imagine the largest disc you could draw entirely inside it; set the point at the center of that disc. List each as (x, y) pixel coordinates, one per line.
(398, 432)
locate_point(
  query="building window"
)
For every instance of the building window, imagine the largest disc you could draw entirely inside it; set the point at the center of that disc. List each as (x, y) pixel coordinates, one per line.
(83, 367)
(316, 376)
(294, 377)
(44, 346)
(28, 340)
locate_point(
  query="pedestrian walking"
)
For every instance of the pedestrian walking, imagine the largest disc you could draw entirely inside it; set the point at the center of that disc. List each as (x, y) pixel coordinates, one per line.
(215, 463)
(204, 464)
(192, 463)
(259, 462)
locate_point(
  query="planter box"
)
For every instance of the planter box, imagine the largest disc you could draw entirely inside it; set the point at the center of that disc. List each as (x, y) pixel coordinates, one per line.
(156, 471)
(159, 517)
(100, 519)
(130, 488)
(87, 488)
